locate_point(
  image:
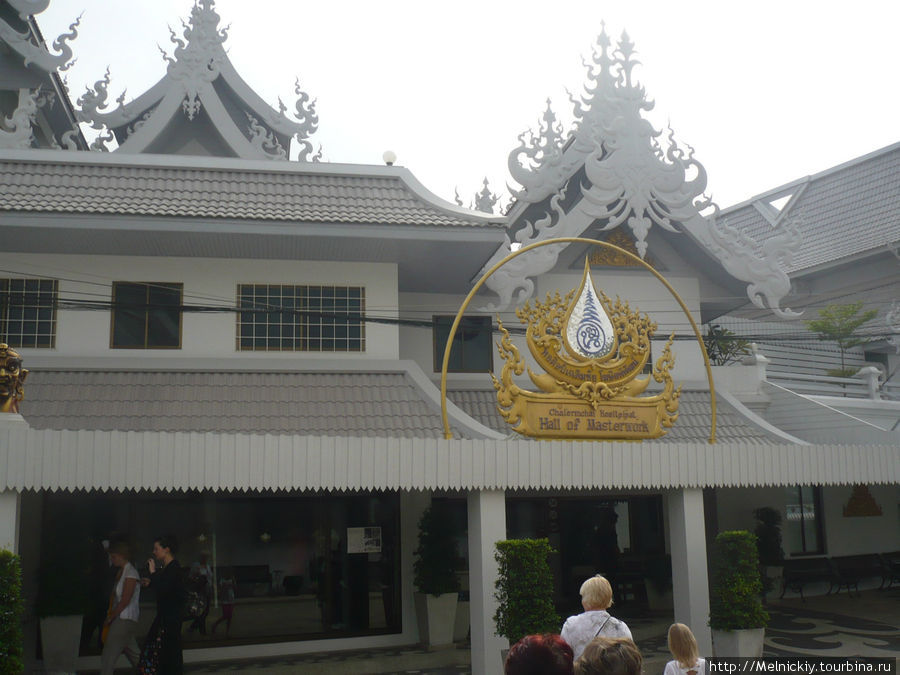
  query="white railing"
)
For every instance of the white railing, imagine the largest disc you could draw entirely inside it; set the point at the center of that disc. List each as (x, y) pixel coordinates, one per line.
(864, 384)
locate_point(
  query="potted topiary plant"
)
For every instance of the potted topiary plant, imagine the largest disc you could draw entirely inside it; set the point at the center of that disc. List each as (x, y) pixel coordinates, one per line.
(435, 576)
(736, 614)
(524, 589)
(61, 597)
(768, 544)
(11, 608)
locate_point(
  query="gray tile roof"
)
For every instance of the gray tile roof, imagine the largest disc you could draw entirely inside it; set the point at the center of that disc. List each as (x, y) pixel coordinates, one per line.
(313, 404)
(846, 210)
(692, 425)
(329, 196)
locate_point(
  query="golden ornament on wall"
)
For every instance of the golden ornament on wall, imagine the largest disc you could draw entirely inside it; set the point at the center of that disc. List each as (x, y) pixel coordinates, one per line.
(592, 351)
(12, 376)
(861, 504)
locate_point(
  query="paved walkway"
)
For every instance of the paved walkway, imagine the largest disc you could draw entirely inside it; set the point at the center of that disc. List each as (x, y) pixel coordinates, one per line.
(868, 625)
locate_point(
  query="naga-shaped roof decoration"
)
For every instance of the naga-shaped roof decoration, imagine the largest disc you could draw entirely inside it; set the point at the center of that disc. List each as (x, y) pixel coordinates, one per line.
(39, 119)
(630, 179)
(200, 78)
(32, 51)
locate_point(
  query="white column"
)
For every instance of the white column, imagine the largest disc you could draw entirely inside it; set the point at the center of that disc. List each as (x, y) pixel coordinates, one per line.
(687, 539)
(412, 505)
(9, 520)
(487, 525)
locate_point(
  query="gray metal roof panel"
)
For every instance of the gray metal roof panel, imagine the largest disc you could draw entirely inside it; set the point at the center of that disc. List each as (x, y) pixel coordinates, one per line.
(321, 404)
(844, 211)
(216, 192)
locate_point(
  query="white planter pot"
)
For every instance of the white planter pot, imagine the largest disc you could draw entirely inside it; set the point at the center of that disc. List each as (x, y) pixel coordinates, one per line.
(60, 640)
(746, 643)
(436, 616)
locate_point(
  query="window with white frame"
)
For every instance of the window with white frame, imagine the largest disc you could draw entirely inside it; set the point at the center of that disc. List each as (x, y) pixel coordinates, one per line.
(282, 317)
(28, 312)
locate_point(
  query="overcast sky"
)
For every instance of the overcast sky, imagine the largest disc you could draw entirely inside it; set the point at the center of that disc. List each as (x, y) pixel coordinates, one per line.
(765, 92)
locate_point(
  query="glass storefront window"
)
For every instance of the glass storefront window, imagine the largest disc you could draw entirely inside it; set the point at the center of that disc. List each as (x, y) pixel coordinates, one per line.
(302, 567)
(803, 525)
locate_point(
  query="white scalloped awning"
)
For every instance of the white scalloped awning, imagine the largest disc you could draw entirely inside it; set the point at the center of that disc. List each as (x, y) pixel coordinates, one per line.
(112, 460)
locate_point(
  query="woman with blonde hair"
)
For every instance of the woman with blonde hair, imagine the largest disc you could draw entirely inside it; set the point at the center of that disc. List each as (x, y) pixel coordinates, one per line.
(124, 611)
(594, 621)
(683, 646)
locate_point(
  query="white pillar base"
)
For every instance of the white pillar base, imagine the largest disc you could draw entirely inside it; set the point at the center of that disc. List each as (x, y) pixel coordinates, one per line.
(487, 525)
(687, 539)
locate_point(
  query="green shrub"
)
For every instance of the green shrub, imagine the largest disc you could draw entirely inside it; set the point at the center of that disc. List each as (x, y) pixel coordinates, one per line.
(736, 587)
(524, 589)
(11, 608)
(437, 556)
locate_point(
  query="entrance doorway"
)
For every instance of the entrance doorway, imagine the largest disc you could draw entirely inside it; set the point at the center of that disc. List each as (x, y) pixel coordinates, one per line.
(617, 536)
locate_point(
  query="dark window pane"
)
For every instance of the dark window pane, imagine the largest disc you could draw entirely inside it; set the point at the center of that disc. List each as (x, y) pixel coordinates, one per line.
(128, 328)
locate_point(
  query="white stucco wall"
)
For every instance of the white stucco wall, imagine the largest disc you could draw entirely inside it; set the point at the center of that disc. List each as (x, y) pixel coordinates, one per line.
(868, 534)
(210, 281)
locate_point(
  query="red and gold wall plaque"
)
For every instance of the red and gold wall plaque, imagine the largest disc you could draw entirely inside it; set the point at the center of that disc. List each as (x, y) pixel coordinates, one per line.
(592, 351)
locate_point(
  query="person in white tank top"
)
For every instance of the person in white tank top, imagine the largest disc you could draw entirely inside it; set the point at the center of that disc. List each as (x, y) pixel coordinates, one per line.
(684, 648)
(124, 612)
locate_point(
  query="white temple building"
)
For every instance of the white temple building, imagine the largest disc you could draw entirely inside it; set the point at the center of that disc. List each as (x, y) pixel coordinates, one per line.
(245, 350)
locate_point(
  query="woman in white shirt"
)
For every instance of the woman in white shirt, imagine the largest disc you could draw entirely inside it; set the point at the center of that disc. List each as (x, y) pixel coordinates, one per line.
(594, 621)
(684, 648)
(123, 612)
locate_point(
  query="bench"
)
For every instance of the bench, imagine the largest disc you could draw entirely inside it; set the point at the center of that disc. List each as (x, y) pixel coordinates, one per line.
(890, 568)
(801, 571)
(848, 570)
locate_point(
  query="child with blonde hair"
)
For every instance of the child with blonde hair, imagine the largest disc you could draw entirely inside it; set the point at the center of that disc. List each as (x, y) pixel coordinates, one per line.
(683, 646)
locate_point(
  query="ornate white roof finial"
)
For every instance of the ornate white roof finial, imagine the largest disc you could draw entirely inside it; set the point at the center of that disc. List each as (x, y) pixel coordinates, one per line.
(632, 179)
(543, 155)
(198, 58)
(484, 200)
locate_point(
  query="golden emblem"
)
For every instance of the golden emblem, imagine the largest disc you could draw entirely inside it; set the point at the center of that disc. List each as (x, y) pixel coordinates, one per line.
(12, 375)
(592, 351)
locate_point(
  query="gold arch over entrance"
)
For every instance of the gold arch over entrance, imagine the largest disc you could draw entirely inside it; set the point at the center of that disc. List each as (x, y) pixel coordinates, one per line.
(570, 240)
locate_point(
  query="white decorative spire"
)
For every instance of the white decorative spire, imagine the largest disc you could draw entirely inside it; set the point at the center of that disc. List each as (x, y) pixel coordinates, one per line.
(632, 180)
(544, 167)
(198, 58)
(197, 74)
(485, 200)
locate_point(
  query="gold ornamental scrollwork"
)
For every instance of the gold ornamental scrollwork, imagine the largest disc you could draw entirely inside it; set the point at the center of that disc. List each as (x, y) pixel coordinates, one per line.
(524, 250)
(592, 350)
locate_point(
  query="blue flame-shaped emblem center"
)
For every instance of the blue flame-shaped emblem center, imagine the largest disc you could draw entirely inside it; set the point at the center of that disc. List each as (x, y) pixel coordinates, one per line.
(591, 337)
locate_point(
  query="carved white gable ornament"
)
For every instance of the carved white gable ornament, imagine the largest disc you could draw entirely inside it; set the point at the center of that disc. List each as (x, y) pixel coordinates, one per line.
(632, 180)
(197, 62)
(38, 54)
